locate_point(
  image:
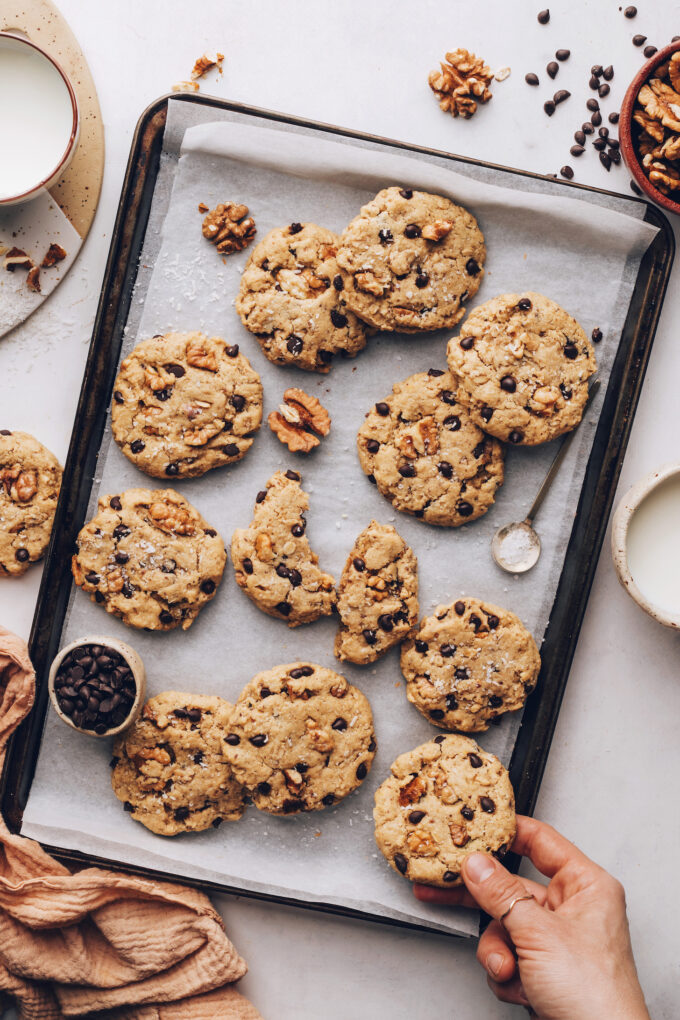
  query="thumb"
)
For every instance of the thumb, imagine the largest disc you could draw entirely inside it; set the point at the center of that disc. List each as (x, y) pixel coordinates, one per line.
(495, 888)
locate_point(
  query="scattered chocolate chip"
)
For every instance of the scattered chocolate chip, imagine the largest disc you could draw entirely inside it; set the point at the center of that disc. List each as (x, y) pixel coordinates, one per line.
(596, 335)
(630, 12)
(421, 646)
(565, 391)
(634, 187)
(359, 564)
(238, 402)
(492, 621)
(560, 96)
(211, 532)
(608, 73)
(603, 90)
(370, 636)
(531, 78)
(592, 105)
(439, 739)
(475, 760)
(422, 279)
(450, 876)
(295, 228)
(231, 350)
(92, 578)
(383, 409)
(613, 143)
(567, 172)
(596, 119)
(549, 107)
(294, 345)
(577, 150)
(543, 17)
(293, 476)
(516, 436)
(597, 70)
(603, 132)
(459, 608)
(495, 701)
(231, 450)
(615, 156)
(487, 805)
(121, 531)
(639, 40)
(552, 68)
(594, 83)
(606, 161)
(372, 445)
(599, 144)
(415, 817)
(563, 54)
(127, 806)
(649, 51)
(579, 137)
(181, 813)
(587, 128)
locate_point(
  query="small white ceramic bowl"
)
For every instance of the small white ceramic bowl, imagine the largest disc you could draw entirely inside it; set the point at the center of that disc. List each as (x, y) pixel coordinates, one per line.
(136, 665)
(621, 521)
(23, 63)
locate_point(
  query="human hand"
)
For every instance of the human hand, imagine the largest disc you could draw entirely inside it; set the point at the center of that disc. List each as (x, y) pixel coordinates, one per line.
(566, 953)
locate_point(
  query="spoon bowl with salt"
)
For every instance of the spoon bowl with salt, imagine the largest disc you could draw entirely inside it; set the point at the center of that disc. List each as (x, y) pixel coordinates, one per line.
(516, 547)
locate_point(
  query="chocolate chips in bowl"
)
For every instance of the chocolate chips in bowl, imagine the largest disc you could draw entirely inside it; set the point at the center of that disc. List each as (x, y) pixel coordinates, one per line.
(97, 685)
(649, 128)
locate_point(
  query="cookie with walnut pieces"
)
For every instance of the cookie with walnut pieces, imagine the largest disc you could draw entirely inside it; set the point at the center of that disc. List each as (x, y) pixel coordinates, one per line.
(292, 298)
(468, 663)
(273, 560)
(169, 767)
(377, 595)
(149, 558)
(426, 455)
(410, 260)
(301, 738)
(522, 365)
(442, 801)
(184, 403)
(30, 478)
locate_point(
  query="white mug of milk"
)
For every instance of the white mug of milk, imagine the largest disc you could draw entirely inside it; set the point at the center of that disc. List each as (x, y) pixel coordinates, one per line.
(39, 121)
(646, 544)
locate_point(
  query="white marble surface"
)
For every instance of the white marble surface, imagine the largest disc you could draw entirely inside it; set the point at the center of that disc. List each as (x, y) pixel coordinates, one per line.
(611, 782)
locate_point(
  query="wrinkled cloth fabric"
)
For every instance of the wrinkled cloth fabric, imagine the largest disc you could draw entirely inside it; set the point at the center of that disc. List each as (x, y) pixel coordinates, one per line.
(98, 943)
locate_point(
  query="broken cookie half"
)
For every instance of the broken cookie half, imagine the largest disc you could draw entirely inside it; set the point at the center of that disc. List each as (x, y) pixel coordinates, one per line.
(377, 595)
(273, 560)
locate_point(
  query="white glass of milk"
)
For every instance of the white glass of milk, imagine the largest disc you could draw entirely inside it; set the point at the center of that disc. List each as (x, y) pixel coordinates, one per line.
(646, 544)
(39, 120)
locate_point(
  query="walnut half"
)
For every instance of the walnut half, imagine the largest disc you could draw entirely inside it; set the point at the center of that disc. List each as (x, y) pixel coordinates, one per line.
(300, 420)
(463, 81)
(229, 227)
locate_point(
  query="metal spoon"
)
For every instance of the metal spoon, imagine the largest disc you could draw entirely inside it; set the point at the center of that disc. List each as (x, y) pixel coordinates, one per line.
(516, 547)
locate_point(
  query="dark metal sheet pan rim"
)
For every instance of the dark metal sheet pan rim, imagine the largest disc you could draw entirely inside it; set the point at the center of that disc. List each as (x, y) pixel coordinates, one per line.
(540, 717)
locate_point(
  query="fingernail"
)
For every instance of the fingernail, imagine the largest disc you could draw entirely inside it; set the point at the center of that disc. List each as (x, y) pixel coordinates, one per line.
(494, 963)
(479, 867)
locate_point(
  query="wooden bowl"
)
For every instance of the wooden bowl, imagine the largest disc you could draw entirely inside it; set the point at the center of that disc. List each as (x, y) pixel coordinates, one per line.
(627, 131)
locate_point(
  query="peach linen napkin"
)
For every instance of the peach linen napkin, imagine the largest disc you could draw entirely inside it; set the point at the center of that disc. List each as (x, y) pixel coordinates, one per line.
(98, 943)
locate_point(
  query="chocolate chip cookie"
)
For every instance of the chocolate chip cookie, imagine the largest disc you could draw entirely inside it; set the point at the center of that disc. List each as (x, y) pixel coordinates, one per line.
(273, 560)
(410, 260)
(468, 663)
(444, 800)
(169, 768)
(300, 739)
(377, 595)
(292, 298)
(522, 366)
(30, 478)
(427, 456)
(184, 403)
(149, 558)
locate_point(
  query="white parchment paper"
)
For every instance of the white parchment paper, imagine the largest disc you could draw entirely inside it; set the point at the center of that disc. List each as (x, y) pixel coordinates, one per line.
(583, 254)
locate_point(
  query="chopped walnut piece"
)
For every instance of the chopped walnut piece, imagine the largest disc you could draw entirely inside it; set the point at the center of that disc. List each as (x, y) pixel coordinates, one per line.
(172, 518)
(463, 80)
(186, 86)
(198, 356)
(205, 64)
(459, 835)
(33, 279)
(293, 779)
(55, 253)
(544, 399)
(203, 208)
(16, 258)
(20, 485)
(300, 421)
(366, 281)
(263, 546)
(412, 791)
(229, 227)
(320, 738)
(437, 230)
(421, 842)
(158, 754)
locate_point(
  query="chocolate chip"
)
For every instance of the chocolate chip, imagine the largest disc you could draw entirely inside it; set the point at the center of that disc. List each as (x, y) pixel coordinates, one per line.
(434, 373)
(467, 813)
(563, 54)
(463, 508)
(293, 476)
(385, 622)
(606, 161)
(597, 69)
(362, 771)
(338, 319)
(422, 279)
(608, 73)
(415, 817)
(406, 192)
(383, 409)
(603, 132)
(127, 806)
(459, 608)
(447, 396)
(577, 150)
(238, 401)
(439, 739)
(613, 143)
(436, 713)
(567, 172)
(328, 799)
(283, 608)
(421, 646)
(486, 412)
(596, 335)
(492, 621)
(447, 650)
(599, 144)
(407, 471)
(475, 760)
(261, 496)
(208, 587)
(603, 90)
(137, 446)
(487, 805)
(211, 532)
(400, 863)
(21, 555)
(117, 396)
(294, 345)
(231, 350)
(338, 282)
(445, 469)
(452, 422)
(472, 267)
(561, 96)
(579, 137)
(524, 304)
(164, 394)
(552, 68)
(295, 228)
(165, 617)
(386, 236)
(565, 391)
(450, 876)
(120, 531)
(359, 564)
(587, 128)
(231, 450)
(549, 107)
(516, 436)
(127, 590)
(264, 788)
(247, 565)
(543, 17)
(259, 740)
(412, 230)
(508, 384)
(495, 701)
(370, 636)
(649, 51)
(531, 78)
(630, 12)
(298, 529)
(639, 40)
(172, 468)
(594, 83)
